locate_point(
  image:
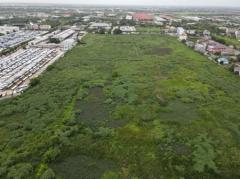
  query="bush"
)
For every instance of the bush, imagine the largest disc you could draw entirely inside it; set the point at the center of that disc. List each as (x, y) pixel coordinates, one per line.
(117, 31)
(20, 171)
(34, 82)
(48, 174)
(51, 154)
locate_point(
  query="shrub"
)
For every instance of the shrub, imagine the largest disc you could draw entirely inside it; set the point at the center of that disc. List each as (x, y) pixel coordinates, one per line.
(48, 174)
(51, 154)
(34, 82)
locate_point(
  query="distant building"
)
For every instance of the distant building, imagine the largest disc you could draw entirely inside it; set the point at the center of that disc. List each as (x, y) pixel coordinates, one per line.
(237, 34)
(192, 18)
(206, 33)
(128, 29)
(68, 44)
(129, 17)
(183, 37)
(231, 31)
(180, 31)
(237, 69)
(230, 52)
(105, 26)
(191, 32)
(8, 29)
(159, 20)
(200, 48)
(45, 27)
(142, 17)
(32, 26)
(63, 35)
(223, 61)
(190, 44)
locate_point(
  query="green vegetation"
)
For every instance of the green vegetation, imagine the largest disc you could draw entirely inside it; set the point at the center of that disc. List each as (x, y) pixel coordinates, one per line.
(227, 40)
(148, 29)
(134, 106)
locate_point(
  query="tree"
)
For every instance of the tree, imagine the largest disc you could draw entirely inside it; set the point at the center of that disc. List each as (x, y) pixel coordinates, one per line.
(101, 31)
(117, 31)
(22, 170)
(48, 174)
(34, 82)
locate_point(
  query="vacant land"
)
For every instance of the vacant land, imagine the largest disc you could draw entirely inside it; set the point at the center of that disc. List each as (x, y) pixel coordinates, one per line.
(227, 40)
(141, 106)
(152, 29)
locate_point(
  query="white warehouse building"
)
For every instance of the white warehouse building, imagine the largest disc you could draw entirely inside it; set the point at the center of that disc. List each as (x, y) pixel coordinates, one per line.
(8, 29)
(180, 31)
(105, 26)
(64, 34)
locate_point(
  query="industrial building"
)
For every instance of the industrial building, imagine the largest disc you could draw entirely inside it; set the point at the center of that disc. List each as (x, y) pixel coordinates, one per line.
(128, 29)
(63, 35)
(17, 38)
(105, 26)
(8, 29)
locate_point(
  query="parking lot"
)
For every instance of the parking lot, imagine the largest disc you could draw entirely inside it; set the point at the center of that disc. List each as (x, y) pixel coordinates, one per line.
(14, 39)
(22, 65)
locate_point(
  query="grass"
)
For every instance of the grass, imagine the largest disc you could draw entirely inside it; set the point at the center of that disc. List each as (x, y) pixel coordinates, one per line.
(142, 106)
(229, 41)
(153, 29)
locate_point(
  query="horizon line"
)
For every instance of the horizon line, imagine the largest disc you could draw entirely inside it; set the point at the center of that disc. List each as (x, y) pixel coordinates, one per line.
(111, 5)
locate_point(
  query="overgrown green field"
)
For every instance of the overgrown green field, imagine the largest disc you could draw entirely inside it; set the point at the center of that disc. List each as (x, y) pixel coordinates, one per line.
(228, 40)
(148, 29)
(141, 106)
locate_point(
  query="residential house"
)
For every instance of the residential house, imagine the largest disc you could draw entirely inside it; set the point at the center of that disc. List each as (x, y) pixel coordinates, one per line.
(190, 44)
(215, 47)
(237, 69)
(104, 26)
(44, 27)
(182, 37)
(237, 34)
(128, 29)
(223, 61)
(200, 48)
(142, 17)
(206, 33)
(231, 31)
(191, 32)
(129, 17)
(180, 31)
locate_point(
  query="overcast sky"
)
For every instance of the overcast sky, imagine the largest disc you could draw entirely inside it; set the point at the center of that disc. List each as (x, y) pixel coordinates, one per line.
(232, 3)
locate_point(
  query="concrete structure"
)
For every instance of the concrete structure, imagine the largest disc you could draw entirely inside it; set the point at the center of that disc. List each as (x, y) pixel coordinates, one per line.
(127, 29)
(206, 33)
(183, 37)
(180, 31)
(32, 26)
(8, 29)
(105, 26)
(142, 17)
(223, 61)
(190, 44)
(191, 32)
(129, 17)
(45, 27)
(200, 48)
(68, 44)
(63, 35)
(192, 18)
(237, 69)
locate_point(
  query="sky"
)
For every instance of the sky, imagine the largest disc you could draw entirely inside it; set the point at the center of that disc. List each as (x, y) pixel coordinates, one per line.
(232, 3)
